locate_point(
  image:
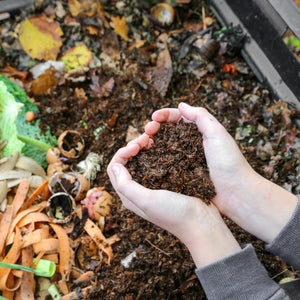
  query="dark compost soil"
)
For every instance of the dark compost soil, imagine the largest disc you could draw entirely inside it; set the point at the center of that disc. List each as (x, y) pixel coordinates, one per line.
(175, 162)
(163, 268)
(264, 130)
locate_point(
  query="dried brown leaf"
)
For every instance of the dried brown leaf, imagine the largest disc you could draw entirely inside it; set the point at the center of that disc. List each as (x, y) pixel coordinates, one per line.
(101, 90)
(161, 75)
(120, 27)
(132, 133)
(44, 82)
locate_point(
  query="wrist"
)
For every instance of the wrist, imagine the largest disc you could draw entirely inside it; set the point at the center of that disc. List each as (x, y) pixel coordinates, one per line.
(277, 206)
(210, 245)
(261, 207)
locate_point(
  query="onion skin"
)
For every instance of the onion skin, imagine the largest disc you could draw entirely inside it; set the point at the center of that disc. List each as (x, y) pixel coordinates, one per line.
(164, 13)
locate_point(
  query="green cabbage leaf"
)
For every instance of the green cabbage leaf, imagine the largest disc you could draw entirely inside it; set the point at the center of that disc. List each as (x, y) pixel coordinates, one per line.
(21, 135)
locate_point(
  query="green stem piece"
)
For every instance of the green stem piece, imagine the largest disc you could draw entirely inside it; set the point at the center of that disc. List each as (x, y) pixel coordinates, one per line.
(16, 267)
(34, 142)
(53, 291)
(44, 268)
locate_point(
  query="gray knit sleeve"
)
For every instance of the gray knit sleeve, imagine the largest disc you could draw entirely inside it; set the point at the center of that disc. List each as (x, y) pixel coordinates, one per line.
(287, 244)
(239, 277)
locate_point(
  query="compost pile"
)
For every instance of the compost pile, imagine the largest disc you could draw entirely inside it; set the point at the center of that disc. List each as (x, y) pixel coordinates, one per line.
(175, 162)
(101, 68)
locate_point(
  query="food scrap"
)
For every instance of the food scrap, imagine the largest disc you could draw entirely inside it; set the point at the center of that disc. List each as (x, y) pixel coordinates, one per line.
(40, 216)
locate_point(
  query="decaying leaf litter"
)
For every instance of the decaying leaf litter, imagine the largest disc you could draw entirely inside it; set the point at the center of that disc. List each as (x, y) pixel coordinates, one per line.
(115, 64)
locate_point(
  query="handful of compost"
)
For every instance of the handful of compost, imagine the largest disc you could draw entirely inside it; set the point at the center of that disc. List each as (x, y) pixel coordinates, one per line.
(175, 162)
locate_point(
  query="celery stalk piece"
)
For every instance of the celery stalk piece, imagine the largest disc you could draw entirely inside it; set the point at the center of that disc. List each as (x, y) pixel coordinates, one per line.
(45, 268)
(54, 292)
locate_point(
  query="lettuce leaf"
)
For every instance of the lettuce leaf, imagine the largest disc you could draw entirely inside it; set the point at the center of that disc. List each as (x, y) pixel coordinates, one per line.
(9, 111)
(22, 136)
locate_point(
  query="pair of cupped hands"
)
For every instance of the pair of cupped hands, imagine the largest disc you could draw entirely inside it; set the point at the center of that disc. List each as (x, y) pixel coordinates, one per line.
(254, 203)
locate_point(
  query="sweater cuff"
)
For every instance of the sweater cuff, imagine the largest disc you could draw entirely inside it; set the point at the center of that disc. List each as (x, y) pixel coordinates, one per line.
(240, 276)
(286, 244)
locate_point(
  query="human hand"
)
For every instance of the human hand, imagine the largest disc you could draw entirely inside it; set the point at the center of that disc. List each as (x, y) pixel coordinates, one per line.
(198, 226)
(242, 195)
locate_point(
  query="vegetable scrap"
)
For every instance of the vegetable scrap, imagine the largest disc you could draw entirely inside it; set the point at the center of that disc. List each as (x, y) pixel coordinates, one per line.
(22, 136)
(229, 69)
(102, 243)
(43, 267)
(37, 229)
(164, 13)
(98, 203)
(15, 168)
(30, 116)
(91, 165)
(32, 231)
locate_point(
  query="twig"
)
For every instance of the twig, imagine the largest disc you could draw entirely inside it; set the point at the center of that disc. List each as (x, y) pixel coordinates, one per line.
(279, 273)
(210, 109)
(168, 254)
(203, 17)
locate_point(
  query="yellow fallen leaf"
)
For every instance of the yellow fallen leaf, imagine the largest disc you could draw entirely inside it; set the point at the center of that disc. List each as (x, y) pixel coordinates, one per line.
(75, 7)
(120, 27)
(40, 37)
(77, 57)
(85, 9)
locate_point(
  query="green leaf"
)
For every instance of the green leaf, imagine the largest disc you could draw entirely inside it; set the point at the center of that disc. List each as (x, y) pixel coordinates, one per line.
(23, 136)
(9, 111)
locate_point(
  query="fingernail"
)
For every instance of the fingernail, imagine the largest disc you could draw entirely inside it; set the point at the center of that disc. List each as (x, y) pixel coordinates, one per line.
(184, 105)
(116, 170)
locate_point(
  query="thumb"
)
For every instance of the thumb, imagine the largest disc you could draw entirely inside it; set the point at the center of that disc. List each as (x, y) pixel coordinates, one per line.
(207, 124)
(125, 185)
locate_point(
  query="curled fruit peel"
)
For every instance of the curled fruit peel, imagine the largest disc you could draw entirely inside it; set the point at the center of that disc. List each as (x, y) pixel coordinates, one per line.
(91, 198)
